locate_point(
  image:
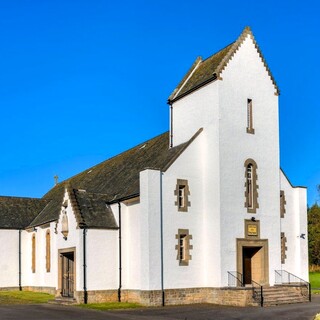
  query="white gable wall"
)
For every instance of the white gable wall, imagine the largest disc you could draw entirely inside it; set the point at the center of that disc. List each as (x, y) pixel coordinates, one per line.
(74, 240)
(245, 77)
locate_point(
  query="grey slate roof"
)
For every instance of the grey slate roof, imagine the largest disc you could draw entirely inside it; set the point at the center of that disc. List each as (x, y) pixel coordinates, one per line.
(111, 180)
(210, 69)
(17, 213)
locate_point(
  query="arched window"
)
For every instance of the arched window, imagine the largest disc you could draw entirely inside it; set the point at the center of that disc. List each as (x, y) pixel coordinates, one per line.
(33, 263)
(48, 251)
(251, 192)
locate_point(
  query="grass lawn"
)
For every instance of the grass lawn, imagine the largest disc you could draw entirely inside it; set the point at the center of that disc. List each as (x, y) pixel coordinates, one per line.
(110, 305)
(24, 297)
(314, 278)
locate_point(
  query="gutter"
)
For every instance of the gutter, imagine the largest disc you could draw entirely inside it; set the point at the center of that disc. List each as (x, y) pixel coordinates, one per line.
(85, 292)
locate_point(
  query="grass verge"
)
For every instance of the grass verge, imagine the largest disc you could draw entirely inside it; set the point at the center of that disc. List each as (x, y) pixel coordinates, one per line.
(110, 305)
(24, 297)
(314, 278)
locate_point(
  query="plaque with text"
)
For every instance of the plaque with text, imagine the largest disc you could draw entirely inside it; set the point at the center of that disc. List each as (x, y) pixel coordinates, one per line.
(252, 230)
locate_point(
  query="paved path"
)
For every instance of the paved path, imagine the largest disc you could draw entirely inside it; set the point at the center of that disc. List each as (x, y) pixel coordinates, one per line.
(302, 311)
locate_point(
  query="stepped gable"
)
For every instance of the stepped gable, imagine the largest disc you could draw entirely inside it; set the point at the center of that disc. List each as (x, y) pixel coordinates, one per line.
(18, 212)
(111, 180)
(204, 71)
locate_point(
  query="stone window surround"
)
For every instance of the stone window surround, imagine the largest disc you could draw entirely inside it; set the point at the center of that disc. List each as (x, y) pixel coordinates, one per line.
(283, 203)
(250, 128)
(48, 251)
(255, 204)
(284, 248)
(187, 246)
(182, 184)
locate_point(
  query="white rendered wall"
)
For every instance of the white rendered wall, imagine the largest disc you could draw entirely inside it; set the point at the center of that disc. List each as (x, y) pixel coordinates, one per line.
(245, 77)
(102, 259)
(293, 225)
(9, 258)
(194, 111)
(150, 230)
(201, 110)
(131, 245)
(40, 278)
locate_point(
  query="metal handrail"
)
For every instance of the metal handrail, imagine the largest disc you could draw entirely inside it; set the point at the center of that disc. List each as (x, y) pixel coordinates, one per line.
(289, 276)
(257, 292)
(235, 279)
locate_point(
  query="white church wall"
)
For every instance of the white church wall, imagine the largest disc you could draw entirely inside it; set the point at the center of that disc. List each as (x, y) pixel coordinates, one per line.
(131, 245)
(9, 258)
(187, 167)
(194, 111)
(150, 230)
(294, 224)
(245, 77)
(101, 259)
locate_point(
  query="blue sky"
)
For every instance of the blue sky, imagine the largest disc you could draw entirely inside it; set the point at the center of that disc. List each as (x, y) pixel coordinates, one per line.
(81, 81)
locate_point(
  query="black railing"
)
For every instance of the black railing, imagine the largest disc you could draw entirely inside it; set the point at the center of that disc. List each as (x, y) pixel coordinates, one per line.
(257, 292)
(235, 279)
(285, 277)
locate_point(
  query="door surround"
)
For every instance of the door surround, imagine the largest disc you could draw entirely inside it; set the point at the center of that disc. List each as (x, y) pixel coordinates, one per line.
(60, 258)
(259, 243)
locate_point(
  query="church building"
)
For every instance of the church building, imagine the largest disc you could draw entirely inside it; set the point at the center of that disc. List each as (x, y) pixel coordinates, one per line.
(202, 213)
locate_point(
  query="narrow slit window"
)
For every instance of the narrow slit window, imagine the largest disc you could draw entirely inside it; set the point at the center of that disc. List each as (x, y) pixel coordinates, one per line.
(251, 186)
(182, 248)
(250, 128)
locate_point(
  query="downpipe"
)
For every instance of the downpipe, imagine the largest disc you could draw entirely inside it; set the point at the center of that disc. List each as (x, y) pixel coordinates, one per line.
(85, 292)
(120, 255)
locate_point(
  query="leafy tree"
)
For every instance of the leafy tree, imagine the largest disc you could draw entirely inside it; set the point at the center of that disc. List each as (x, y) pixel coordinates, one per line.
(314, 234)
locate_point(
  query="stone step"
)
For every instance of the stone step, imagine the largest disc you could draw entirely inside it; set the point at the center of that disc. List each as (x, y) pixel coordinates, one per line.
(63, 301)
(279, 295)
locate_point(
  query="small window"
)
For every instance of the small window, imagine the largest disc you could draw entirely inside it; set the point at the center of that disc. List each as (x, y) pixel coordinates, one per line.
(182, 197)
(33, 263)
(283, 248)
(182, 193)
(183, 247)
(282, 204)
(251, 186)
(250, 128)
(48, 251)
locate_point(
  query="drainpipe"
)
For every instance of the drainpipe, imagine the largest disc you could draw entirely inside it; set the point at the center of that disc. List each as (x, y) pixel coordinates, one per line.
(171, 126)
(85, 292)
(120, 254)
(161, 240)
(20, 287)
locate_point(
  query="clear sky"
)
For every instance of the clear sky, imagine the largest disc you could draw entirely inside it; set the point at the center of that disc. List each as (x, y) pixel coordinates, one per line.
(81, 81)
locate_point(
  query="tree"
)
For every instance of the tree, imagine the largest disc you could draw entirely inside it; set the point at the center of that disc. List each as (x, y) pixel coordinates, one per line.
(314, 234)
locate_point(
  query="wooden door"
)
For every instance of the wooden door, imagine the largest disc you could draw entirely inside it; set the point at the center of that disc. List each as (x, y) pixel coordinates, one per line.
(67, 273)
